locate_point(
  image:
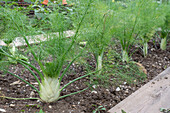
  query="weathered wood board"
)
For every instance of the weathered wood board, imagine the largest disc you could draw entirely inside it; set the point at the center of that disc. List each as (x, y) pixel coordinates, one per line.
(149, 98)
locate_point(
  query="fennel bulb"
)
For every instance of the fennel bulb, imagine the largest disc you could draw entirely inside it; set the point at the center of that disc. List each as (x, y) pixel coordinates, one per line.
(125, 56)
(49, 89)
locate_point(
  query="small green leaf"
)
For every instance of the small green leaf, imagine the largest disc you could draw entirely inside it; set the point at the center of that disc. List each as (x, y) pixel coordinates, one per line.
(123, 111)
(23, 110)
(41, 111)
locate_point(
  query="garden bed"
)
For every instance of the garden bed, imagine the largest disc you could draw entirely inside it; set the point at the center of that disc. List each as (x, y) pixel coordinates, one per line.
(85, 102)
(105, 54)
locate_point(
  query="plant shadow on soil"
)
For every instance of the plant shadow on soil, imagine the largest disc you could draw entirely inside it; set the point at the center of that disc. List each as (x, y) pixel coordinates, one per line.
(85, 102)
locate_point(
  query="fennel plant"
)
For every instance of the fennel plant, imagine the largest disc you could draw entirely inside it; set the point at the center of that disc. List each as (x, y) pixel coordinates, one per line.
(133, 19)
(9, 31)
(56, 49)
(125, 18)
(165, 27)
(95, 31)
(151, 17)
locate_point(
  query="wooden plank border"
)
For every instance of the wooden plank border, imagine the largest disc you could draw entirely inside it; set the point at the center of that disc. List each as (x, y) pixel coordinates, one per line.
(149, 98)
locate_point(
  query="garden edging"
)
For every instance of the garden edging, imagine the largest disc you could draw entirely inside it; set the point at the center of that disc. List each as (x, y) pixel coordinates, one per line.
(149, 98)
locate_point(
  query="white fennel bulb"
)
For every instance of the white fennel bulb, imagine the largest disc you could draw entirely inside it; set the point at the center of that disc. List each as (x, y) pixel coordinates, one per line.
(49, 89)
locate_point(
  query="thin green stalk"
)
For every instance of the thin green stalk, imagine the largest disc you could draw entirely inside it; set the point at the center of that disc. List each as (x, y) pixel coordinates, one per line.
(73, 39)
(76, 80)
(23, 81)
(134, 26)
(73, 93)
(31, 73)
(61, 77)
(39, 73)
(100, 55)
(163, 43)
(75, 36)
(125, 43)
(36, 2)
(145, 49)
(24, 36)
(19, 98)
(99, 62)
(22, 61)
(32, 52)
(125, 56)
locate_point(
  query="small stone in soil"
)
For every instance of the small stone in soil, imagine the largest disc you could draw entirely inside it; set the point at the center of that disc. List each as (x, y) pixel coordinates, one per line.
(94, 92)
(94, 86)
(107, 90)
(12, 105)
(35, 83)
(126, 91)
(32, 94)
(16, 82)
(18, 86)
(117, 89)
(50, 106)
(2, 110)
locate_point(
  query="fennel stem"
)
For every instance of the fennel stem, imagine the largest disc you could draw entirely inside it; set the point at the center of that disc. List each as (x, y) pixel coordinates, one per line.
(19, 98)
(99, 63)
(125, 57)
(163, 43)
(145, 49)
(23, 81)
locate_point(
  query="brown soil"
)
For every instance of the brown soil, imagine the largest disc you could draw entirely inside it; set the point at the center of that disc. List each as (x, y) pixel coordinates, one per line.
(85, 102)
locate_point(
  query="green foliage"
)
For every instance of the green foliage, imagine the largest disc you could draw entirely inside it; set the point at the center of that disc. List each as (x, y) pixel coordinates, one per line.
(116, 72)
(98, 23)
(2, 56)
(14, 52)
(41, 111)
(8, 27)
(166, 26)
(124, 24)
(56, 48)
(123, 111)
(99, 109)
(95, 31)
(45, 19)
(151, 18)
(133, 19)
(164, 110)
